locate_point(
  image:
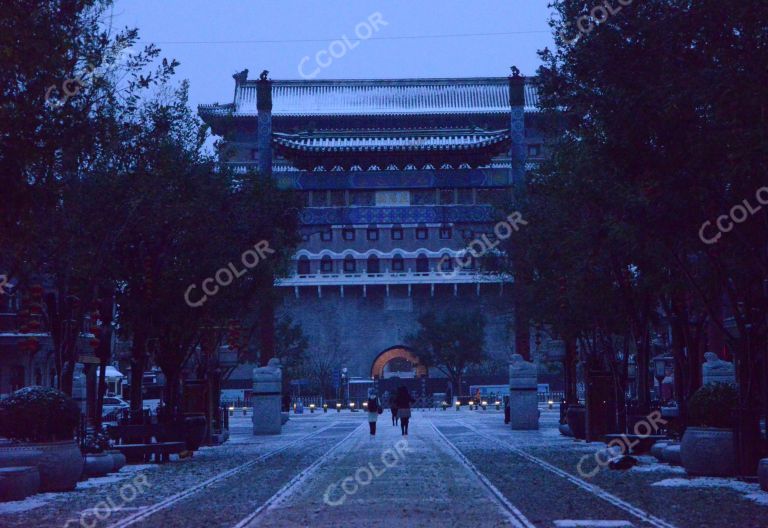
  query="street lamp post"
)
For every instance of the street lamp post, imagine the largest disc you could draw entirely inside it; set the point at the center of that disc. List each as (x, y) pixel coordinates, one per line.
(345, 384)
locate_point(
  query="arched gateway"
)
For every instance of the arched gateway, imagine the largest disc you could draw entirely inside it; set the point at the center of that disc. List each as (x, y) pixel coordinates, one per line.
(398, 362)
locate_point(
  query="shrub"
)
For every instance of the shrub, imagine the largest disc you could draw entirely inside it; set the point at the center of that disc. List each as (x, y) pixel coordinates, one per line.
(712, 406)
(38, 414)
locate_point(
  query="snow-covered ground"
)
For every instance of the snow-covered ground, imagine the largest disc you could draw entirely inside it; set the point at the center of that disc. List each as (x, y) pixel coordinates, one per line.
(458, 469)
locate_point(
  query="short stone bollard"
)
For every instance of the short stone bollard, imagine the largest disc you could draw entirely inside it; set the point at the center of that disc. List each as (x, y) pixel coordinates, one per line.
(523, 396)
(267, 386)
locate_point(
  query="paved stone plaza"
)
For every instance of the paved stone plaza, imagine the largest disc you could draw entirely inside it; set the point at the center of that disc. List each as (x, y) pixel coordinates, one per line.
(454, 469)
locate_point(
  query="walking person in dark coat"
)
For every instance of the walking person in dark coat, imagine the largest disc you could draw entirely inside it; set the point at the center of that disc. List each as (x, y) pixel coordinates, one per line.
(403, 400)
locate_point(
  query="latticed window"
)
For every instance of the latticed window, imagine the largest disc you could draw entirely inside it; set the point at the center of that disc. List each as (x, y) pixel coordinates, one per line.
(423, 197)
(326, 264)
(373, 264)
(446, 197)
(465, 196)
(349, 264)
(397, 263)
(422, 264)
(362, 198)
(446, 263)
(303, 266)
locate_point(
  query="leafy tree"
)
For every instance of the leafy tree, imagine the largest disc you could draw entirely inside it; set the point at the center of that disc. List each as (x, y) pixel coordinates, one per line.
(640, 161)
(291, 345)
(60, 111)
(192, 218)
(450, 342)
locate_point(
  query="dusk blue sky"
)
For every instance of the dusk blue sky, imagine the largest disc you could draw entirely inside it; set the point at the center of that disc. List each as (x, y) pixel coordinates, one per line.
(194, 31)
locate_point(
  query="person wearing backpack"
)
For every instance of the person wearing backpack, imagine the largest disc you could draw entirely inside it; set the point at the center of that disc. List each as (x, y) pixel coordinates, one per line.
(374, 410)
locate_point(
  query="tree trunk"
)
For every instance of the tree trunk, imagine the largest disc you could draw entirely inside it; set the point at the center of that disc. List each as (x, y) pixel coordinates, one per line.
(571, 394)
(458, 384)
(747, 415)
(642, 360)
(138, 365)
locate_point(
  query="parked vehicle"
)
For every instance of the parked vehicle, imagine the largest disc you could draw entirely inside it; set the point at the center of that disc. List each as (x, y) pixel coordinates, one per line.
(112, 405)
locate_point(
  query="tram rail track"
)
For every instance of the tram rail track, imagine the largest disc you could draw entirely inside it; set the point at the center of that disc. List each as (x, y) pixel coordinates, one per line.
(166, 503)
(597, 491)
(292, 485)
(515, 517)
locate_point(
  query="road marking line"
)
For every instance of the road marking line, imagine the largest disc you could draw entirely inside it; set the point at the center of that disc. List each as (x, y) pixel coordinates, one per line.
(591, 488)
(515, 516)
(587, 523)
(173, 499)
(288, 489)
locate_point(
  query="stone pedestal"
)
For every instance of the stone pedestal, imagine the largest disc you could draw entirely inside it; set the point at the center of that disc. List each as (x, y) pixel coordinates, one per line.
(715, 370)
(523, 397)
(267, 387)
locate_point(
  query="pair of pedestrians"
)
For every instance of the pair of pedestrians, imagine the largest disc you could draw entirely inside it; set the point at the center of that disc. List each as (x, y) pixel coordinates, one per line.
(401, 409)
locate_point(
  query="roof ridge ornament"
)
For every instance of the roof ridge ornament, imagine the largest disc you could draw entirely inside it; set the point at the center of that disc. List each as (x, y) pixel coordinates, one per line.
(241, 77)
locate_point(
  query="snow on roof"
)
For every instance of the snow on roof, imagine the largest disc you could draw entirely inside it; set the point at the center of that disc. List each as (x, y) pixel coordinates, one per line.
(112, 372)
(379, 97)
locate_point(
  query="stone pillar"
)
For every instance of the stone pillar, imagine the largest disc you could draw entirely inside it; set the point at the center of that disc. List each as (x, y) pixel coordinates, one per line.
(264, 107)
(267, 386)
(523, 398)
(517, 149)
(517, 155)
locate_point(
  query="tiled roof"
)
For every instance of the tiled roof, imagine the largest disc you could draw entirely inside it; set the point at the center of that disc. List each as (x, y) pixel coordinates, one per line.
(379, 97)
(339, 142)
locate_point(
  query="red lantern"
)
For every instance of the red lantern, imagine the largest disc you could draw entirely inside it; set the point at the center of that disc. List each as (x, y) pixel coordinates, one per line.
(36, 290)
(94, 343)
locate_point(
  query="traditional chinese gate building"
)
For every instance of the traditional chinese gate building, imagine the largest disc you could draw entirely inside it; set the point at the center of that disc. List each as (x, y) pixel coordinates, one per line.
(397, 177)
